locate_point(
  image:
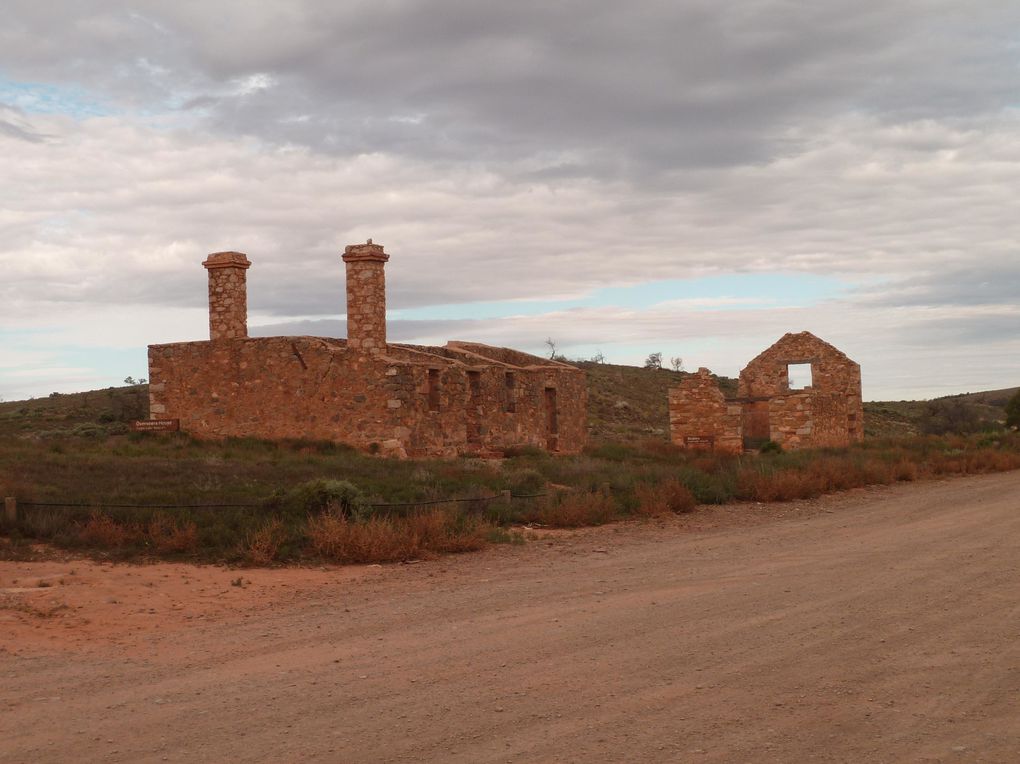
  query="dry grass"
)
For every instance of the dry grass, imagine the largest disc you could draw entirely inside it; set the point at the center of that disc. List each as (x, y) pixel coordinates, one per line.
(261, 546)
(383, 539)
(103, 531)
(574, 510)
(669, 497)
(169, 535)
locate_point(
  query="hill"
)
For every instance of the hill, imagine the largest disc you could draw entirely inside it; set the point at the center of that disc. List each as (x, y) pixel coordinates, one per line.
(626, 403)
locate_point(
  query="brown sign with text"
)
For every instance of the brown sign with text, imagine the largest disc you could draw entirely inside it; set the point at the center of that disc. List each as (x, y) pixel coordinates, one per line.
(156, 425)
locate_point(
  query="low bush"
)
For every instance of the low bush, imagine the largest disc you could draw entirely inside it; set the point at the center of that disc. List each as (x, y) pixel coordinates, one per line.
(262, 545)
(383, 539)
(575, 509)
(668, 497)
(169, 535)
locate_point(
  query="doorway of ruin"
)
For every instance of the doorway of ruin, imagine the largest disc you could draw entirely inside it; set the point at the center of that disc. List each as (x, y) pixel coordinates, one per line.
(552, 425)
(757, 426)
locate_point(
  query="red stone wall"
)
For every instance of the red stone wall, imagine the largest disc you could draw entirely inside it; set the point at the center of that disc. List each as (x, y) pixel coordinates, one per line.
(305, 387)
(828, 413)
(701, 418)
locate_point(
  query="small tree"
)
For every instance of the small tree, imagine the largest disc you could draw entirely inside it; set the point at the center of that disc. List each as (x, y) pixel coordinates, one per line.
(598, 357)
(676, 363)
(1013, 411)
(552, 348)
(654, 361)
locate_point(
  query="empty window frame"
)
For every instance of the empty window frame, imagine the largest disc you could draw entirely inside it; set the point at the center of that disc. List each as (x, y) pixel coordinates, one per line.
(433, 390)
(798, 376)
(475, 385)
(511, 393)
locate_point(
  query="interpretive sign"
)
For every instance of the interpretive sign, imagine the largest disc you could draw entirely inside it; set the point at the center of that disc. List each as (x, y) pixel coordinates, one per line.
(699, 441)
(156, 425)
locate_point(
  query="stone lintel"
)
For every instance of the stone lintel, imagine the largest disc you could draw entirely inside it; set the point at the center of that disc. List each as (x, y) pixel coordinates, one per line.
(227, 260)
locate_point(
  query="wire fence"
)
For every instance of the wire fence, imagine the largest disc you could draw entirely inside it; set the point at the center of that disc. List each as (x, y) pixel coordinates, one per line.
(13, 506)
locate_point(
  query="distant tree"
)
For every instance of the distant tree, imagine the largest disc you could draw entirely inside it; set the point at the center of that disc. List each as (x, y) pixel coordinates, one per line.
(130, 381)
(554, 354)
(676, 363)
(654, 361)
(950, 415)
(598, 357)
(1013, 411)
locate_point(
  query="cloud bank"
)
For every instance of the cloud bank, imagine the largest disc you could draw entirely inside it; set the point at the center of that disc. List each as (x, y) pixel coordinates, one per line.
(530, 152)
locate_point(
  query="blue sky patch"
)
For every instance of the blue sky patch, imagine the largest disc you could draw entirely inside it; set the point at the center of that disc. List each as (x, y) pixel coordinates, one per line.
(743, 291)
(40, 98)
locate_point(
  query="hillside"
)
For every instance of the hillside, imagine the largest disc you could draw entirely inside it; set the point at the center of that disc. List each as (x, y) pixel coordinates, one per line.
(89, 413)
(626, 403)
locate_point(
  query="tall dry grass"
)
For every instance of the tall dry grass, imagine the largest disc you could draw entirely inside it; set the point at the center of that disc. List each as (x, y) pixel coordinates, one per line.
(384, 539)
(668, 497)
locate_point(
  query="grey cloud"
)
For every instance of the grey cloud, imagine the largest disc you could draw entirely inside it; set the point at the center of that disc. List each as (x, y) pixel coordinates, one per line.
(981, 284)
(14, 131)
(397, 330)
(633, 88)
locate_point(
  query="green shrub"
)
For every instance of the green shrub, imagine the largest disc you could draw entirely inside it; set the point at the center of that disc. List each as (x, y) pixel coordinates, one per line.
(525, 482)
(316, 496)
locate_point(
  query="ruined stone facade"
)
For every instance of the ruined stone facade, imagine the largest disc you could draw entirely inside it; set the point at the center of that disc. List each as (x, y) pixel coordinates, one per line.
(701, 418)
(826, 410)
(395, 399)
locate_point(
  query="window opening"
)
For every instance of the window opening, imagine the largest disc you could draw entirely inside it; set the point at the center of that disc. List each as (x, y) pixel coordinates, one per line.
(511, 400)
(552, 425)
(433, 390)
(798, 376)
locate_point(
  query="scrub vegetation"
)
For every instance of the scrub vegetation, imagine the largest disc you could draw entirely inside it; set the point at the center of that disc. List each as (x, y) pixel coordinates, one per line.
(247, 501)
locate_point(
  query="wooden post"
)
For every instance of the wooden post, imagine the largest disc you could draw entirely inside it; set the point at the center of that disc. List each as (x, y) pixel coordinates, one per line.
(11, 509)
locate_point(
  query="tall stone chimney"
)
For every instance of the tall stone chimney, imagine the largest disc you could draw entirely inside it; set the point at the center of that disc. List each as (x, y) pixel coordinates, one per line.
(366, 297)
(228, 295)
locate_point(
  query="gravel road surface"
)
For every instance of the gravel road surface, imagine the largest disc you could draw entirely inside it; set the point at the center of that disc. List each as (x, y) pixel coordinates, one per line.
(880, 625)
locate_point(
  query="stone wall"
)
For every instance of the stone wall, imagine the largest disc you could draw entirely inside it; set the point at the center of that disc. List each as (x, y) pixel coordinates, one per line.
(701, 418)
(403, 401)
(829, 412)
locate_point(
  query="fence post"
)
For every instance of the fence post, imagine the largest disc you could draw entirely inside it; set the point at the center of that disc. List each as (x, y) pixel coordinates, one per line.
(11, 509)
(506, 496)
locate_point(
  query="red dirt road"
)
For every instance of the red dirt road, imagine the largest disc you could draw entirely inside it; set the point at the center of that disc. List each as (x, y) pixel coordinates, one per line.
(879, 626)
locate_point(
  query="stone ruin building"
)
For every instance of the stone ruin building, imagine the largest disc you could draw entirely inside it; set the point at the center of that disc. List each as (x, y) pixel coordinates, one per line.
(801, 393)
(394, 399)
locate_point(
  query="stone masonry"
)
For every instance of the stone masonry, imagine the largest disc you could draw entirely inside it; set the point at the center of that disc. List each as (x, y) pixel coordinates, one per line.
(701, 418)
(366, 296)
(394, 399)
(228, 295)
(827, 412)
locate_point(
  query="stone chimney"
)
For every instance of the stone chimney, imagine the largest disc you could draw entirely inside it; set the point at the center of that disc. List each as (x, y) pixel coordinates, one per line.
(228, 295)
(366, 297)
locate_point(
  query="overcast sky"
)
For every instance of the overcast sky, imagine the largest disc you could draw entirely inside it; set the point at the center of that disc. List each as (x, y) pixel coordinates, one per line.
(695, 178)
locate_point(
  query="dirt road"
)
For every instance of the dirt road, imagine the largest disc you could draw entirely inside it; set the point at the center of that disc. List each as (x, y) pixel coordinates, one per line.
(878, 626)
